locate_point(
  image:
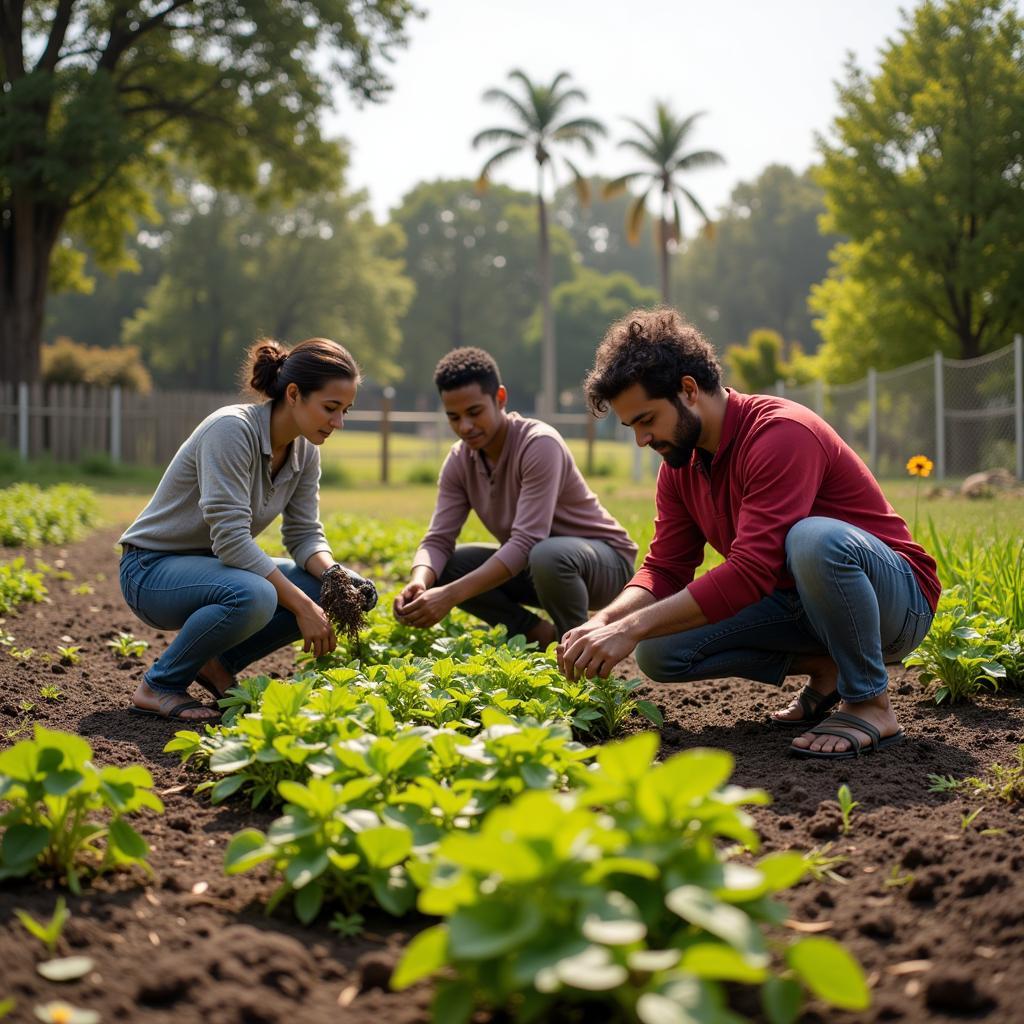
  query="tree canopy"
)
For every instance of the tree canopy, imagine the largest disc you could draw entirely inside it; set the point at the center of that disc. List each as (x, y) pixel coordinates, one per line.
(759, 268)
(924, 172)
(97, 98)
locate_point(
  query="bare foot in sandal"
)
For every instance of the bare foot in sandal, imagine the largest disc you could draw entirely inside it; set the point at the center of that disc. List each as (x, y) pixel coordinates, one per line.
(823, 676)
(215, 678)
(846, 739)
(180, 706)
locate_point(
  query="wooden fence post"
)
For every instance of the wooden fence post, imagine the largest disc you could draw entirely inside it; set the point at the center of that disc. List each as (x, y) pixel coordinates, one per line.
(591, 436)
(385, 431)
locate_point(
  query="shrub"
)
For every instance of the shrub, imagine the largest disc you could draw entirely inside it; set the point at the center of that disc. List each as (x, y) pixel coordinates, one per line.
(30, 515)
(19, 585)
(68, 362)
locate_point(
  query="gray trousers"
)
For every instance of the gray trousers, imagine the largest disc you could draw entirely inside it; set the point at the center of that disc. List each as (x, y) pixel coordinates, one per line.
(567, 576)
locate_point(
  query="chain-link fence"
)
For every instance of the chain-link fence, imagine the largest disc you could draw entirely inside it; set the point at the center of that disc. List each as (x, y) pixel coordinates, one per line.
(966, 415)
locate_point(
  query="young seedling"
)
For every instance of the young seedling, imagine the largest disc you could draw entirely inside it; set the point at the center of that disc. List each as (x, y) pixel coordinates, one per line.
(22, 654)
(6, 639)
(821, 865)
(83, 588)
(50, 692)
(347, 925)
(942, 783)
(127, 646)
(26, 705)
(968, 819)
(49, 933)
(897, 879)
(846, 805)
(69, 655)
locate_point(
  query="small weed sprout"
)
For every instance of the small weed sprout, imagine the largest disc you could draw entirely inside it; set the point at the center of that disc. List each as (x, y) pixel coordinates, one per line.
(6, 639)
(124, 645)
(968, 819)
(47, 933)
(69, 655)
(348, 926)
(22, 653)
(896, 879)
(846, 805)
(26, 705)
(50, 692)
(821, 864)
(83, 588)
(942, 783)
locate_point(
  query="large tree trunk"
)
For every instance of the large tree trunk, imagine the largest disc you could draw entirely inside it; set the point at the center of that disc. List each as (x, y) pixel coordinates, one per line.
(27, 239)
(663, 236)
(548, 399)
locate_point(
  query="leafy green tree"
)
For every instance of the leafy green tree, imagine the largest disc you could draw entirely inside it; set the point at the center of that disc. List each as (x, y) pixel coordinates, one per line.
(584, 307)
(663, 147)
(233, 271)
(925, 175)
(758, 365)
(539, 129)
(599, 231)
(96, 97)
(473, 259)
(759, 268)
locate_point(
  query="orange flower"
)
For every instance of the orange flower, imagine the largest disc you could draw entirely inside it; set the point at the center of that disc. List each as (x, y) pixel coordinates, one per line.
(920, 465)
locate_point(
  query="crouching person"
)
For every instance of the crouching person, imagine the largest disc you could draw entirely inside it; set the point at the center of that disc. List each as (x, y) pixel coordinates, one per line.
(558, 549)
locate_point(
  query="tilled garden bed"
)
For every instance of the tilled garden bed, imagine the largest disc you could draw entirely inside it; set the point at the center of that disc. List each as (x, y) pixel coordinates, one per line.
(931, 902)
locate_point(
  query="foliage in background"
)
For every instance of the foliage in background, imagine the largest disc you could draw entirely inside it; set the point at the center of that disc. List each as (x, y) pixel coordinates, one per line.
(65, 816)
(763, 361)
(757, 271)
(30, 515)
(583, 309)
(96, 101)
(542, 128)
(65, 361)
(19, 585)
(234, 270)
(662, 144)
(924, 173)
(473, 259)
(622, 895)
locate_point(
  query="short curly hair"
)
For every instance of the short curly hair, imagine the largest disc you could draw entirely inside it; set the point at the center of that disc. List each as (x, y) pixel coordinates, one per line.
(468, 365)
(655, 348)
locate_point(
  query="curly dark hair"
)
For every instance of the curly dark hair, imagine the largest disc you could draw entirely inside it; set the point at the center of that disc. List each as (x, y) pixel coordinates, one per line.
(464, 366)
(655, 348)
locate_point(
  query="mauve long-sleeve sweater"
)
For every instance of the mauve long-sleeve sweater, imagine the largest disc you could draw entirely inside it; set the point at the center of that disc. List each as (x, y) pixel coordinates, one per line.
(777, 463)
(534, 491)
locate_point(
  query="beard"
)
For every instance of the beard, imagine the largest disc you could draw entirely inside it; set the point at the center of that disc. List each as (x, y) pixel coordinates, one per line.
(678, 452)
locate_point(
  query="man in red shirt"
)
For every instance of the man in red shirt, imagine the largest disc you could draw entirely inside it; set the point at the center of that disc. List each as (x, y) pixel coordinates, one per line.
(821, 577)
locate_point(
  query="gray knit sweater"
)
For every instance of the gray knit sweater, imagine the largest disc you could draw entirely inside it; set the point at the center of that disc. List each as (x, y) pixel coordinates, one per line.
(217, 494)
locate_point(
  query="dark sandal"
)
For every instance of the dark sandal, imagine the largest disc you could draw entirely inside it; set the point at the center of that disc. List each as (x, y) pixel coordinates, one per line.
(210, 688)
(176, 712)
(841, 724)
(816, 707)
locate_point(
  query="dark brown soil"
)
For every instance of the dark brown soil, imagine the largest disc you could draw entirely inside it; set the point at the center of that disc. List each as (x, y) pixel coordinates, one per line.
(193, 945)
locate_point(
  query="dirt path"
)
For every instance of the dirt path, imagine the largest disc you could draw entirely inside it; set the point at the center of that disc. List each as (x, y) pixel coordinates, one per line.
(193, 945)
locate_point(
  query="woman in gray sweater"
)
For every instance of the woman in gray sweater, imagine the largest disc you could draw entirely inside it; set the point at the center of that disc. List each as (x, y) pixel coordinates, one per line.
(189, 561)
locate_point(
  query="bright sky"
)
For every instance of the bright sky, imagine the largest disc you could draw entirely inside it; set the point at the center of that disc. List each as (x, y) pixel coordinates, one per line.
(762, 69)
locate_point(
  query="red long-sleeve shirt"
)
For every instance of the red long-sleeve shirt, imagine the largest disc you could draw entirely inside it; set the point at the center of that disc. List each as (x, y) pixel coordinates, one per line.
(777, 463)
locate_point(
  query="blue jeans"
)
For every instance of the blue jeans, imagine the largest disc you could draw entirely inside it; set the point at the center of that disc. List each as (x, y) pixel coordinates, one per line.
(230, 614)
(855, 599)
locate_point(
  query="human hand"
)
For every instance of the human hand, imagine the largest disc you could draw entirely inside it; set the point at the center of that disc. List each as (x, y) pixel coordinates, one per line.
(409, 593)
(317, 632)
(428, 608)
(594, 649)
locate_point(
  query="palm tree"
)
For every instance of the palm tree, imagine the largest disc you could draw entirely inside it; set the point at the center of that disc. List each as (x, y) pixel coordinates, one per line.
(538, 129)
(663, 146)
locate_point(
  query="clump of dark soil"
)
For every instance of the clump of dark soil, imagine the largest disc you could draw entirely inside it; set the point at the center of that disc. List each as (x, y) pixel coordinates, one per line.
(344, 603)
(932, 907)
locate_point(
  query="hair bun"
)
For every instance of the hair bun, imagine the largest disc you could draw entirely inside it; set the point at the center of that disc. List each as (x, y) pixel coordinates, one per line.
(265, 360)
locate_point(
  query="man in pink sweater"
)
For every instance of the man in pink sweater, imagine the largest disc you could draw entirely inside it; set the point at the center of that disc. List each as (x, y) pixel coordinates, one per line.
(558, 549)
(821, 577)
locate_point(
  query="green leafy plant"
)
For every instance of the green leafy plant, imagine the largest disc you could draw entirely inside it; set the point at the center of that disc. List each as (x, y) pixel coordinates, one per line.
(21, 654)
(65, 816)
(31, 516)
(942, 783)
(49, 933)
(50, 692)
(958, 656)
(619, 891)
(83, 588)
(69, 655)
(822, 863)
(26, 705)
(967, 820)
(846, 805)
(19, 585)
(348, 926)
(124, 645)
